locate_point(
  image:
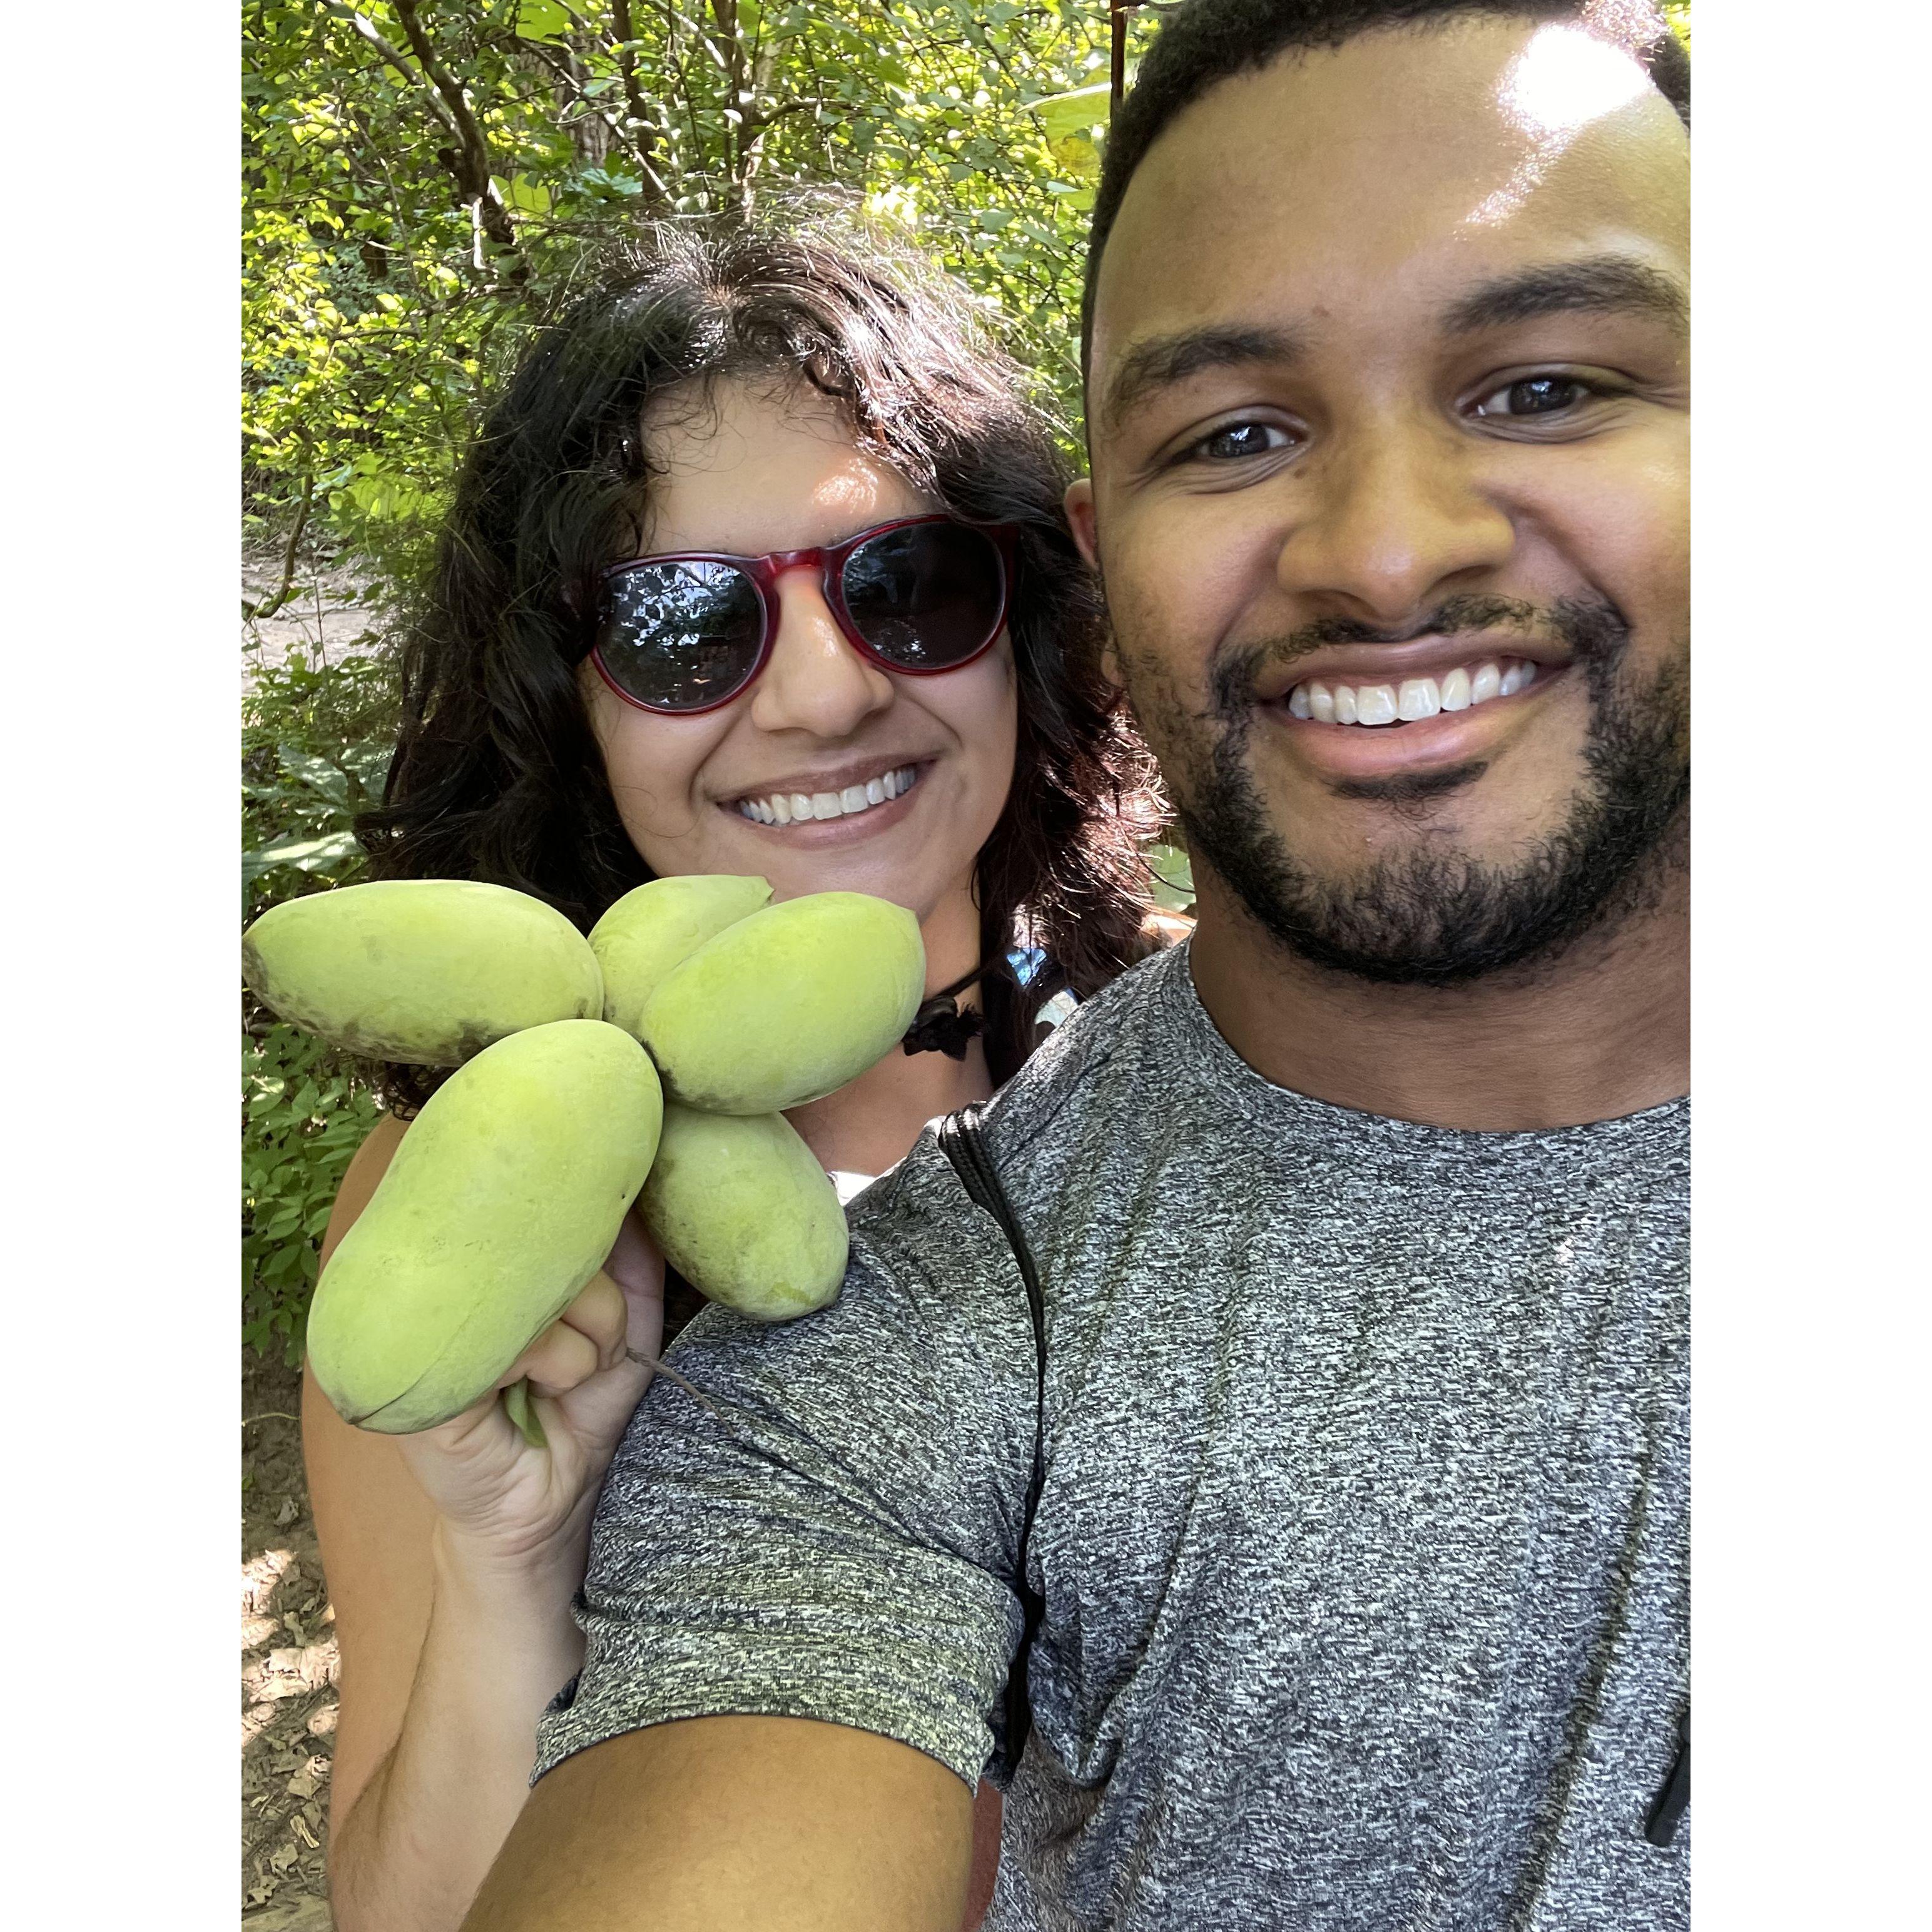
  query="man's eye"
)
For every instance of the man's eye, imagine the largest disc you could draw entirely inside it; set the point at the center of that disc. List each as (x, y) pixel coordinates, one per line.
(1235, 440)
(1534, 396)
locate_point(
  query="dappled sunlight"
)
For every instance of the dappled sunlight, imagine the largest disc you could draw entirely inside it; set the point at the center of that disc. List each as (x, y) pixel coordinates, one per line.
(291, 1670)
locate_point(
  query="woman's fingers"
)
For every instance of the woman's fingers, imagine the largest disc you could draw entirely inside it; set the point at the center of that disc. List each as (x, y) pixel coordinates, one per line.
(600, 1313)
(558, 1359)
(637, 1266)
(590, 1335)
(634, 1264)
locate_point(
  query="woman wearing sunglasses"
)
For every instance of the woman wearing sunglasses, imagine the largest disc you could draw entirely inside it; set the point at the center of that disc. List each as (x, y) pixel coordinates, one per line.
(757, 567)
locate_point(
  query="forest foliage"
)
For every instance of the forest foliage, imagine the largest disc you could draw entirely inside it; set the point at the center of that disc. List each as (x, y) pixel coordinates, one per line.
(424, 181)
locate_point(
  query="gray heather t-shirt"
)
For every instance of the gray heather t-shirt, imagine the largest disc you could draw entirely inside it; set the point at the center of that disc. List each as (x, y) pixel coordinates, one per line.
(1362, 1537)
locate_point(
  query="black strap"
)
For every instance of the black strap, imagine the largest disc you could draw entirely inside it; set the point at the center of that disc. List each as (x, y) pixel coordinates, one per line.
(1660, 1826)
(960, 1141)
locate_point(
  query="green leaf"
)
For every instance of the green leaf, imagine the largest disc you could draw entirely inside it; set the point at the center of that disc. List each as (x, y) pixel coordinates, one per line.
(1078, 113)
(1171, 879)
(542, 20)
(304, 855)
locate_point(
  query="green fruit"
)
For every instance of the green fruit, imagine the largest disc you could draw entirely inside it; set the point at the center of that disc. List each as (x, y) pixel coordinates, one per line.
(424, 971)
(743, 1211)
(788, 1005)
(504, 1198)
(649, 931)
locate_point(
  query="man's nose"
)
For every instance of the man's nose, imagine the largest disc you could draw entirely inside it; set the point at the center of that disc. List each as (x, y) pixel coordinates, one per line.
(1398, 518)
(814, 681)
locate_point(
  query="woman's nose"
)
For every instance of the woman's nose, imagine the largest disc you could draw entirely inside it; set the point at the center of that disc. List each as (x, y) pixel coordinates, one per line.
(814, 680)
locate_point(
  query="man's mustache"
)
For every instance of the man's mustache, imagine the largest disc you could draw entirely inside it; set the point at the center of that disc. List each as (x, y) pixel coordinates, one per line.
(1592, 631)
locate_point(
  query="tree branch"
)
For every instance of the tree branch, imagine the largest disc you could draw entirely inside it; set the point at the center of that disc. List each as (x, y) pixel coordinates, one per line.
(363, 26)
(639, 149)
(470, 161)
(644, 144)
(267, 607)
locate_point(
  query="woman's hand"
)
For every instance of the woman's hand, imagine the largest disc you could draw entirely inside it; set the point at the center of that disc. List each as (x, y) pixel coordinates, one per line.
(500, 1498)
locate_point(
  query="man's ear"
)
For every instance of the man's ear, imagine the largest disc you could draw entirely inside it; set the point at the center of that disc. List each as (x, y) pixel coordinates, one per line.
(1079, 503)
(1080, 515)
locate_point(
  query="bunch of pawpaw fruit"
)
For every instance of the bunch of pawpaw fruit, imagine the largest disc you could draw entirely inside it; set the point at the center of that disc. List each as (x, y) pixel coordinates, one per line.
(654, 1059)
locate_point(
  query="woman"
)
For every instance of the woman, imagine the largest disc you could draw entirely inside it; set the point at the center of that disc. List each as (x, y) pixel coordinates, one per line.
(892, 689)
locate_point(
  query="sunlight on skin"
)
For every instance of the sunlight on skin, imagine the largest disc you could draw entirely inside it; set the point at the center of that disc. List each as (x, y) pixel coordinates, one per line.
(1562, 82)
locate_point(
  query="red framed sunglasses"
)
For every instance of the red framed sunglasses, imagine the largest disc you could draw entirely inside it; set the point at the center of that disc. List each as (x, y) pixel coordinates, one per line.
(689, 631)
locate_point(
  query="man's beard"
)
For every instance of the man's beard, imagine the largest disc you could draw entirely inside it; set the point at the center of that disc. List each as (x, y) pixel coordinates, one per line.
(1428, 918)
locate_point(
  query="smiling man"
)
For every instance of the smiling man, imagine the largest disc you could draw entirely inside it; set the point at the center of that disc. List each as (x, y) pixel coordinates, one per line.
(1340, 1524)
(1390, 437)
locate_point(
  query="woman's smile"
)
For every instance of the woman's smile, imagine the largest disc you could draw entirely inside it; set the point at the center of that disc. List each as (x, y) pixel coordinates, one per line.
(827, 772)
(854, 798)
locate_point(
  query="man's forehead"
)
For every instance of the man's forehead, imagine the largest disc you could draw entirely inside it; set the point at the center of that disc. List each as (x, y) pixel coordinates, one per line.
(1399, 164)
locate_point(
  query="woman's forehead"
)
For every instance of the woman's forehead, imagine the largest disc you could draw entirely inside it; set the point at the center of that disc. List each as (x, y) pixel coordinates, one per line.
(753, 464)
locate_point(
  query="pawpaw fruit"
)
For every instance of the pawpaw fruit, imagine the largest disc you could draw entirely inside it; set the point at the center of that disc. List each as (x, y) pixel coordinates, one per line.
(503, 1200)
(743, 1211)
(786, 1005)
(652, 929)
(425, 972)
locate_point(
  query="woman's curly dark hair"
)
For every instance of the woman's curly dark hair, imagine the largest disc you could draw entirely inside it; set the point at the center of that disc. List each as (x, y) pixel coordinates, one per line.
(496, 775)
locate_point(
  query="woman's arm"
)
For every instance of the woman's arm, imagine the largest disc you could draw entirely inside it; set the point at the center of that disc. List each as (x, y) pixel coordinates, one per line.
(736, 1824)
(454, 1623)
(413, 1846)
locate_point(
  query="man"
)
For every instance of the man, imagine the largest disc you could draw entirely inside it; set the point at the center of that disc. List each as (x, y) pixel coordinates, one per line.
(1359, 1220)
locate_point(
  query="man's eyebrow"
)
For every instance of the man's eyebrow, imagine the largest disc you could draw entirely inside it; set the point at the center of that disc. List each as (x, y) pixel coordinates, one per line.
(1164, 360)
(1604, 282)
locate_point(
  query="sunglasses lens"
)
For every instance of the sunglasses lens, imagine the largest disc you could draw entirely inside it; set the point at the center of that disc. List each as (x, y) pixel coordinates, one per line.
(927, 597)
(680, 636)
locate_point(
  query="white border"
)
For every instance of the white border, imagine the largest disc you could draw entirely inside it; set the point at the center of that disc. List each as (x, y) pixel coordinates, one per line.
(119, 1243)
(118, 1249)
(1810, 1340)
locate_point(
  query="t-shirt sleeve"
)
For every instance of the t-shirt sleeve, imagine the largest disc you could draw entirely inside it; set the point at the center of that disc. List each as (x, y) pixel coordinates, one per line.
(821, 1519)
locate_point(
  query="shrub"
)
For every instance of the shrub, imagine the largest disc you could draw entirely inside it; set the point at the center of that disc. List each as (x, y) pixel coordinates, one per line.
(316, 739)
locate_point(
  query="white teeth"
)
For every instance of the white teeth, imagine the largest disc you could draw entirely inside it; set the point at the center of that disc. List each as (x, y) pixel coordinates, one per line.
(795, 808)
(1374, 704)
(1419, 698)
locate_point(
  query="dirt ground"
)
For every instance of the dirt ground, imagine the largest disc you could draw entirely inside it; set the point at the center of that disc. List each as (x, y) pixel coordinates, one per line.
(325, 618)
(288, 1667)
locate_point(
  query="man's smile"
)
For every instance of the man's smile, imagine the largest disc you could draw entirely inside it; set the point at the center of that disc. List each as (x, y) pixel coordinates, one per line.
(1363, 726)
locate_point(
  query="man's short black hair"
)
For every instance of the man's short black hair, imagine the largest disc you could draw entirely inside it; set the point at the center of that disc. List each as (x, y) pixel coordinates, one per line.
(1206, 41)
